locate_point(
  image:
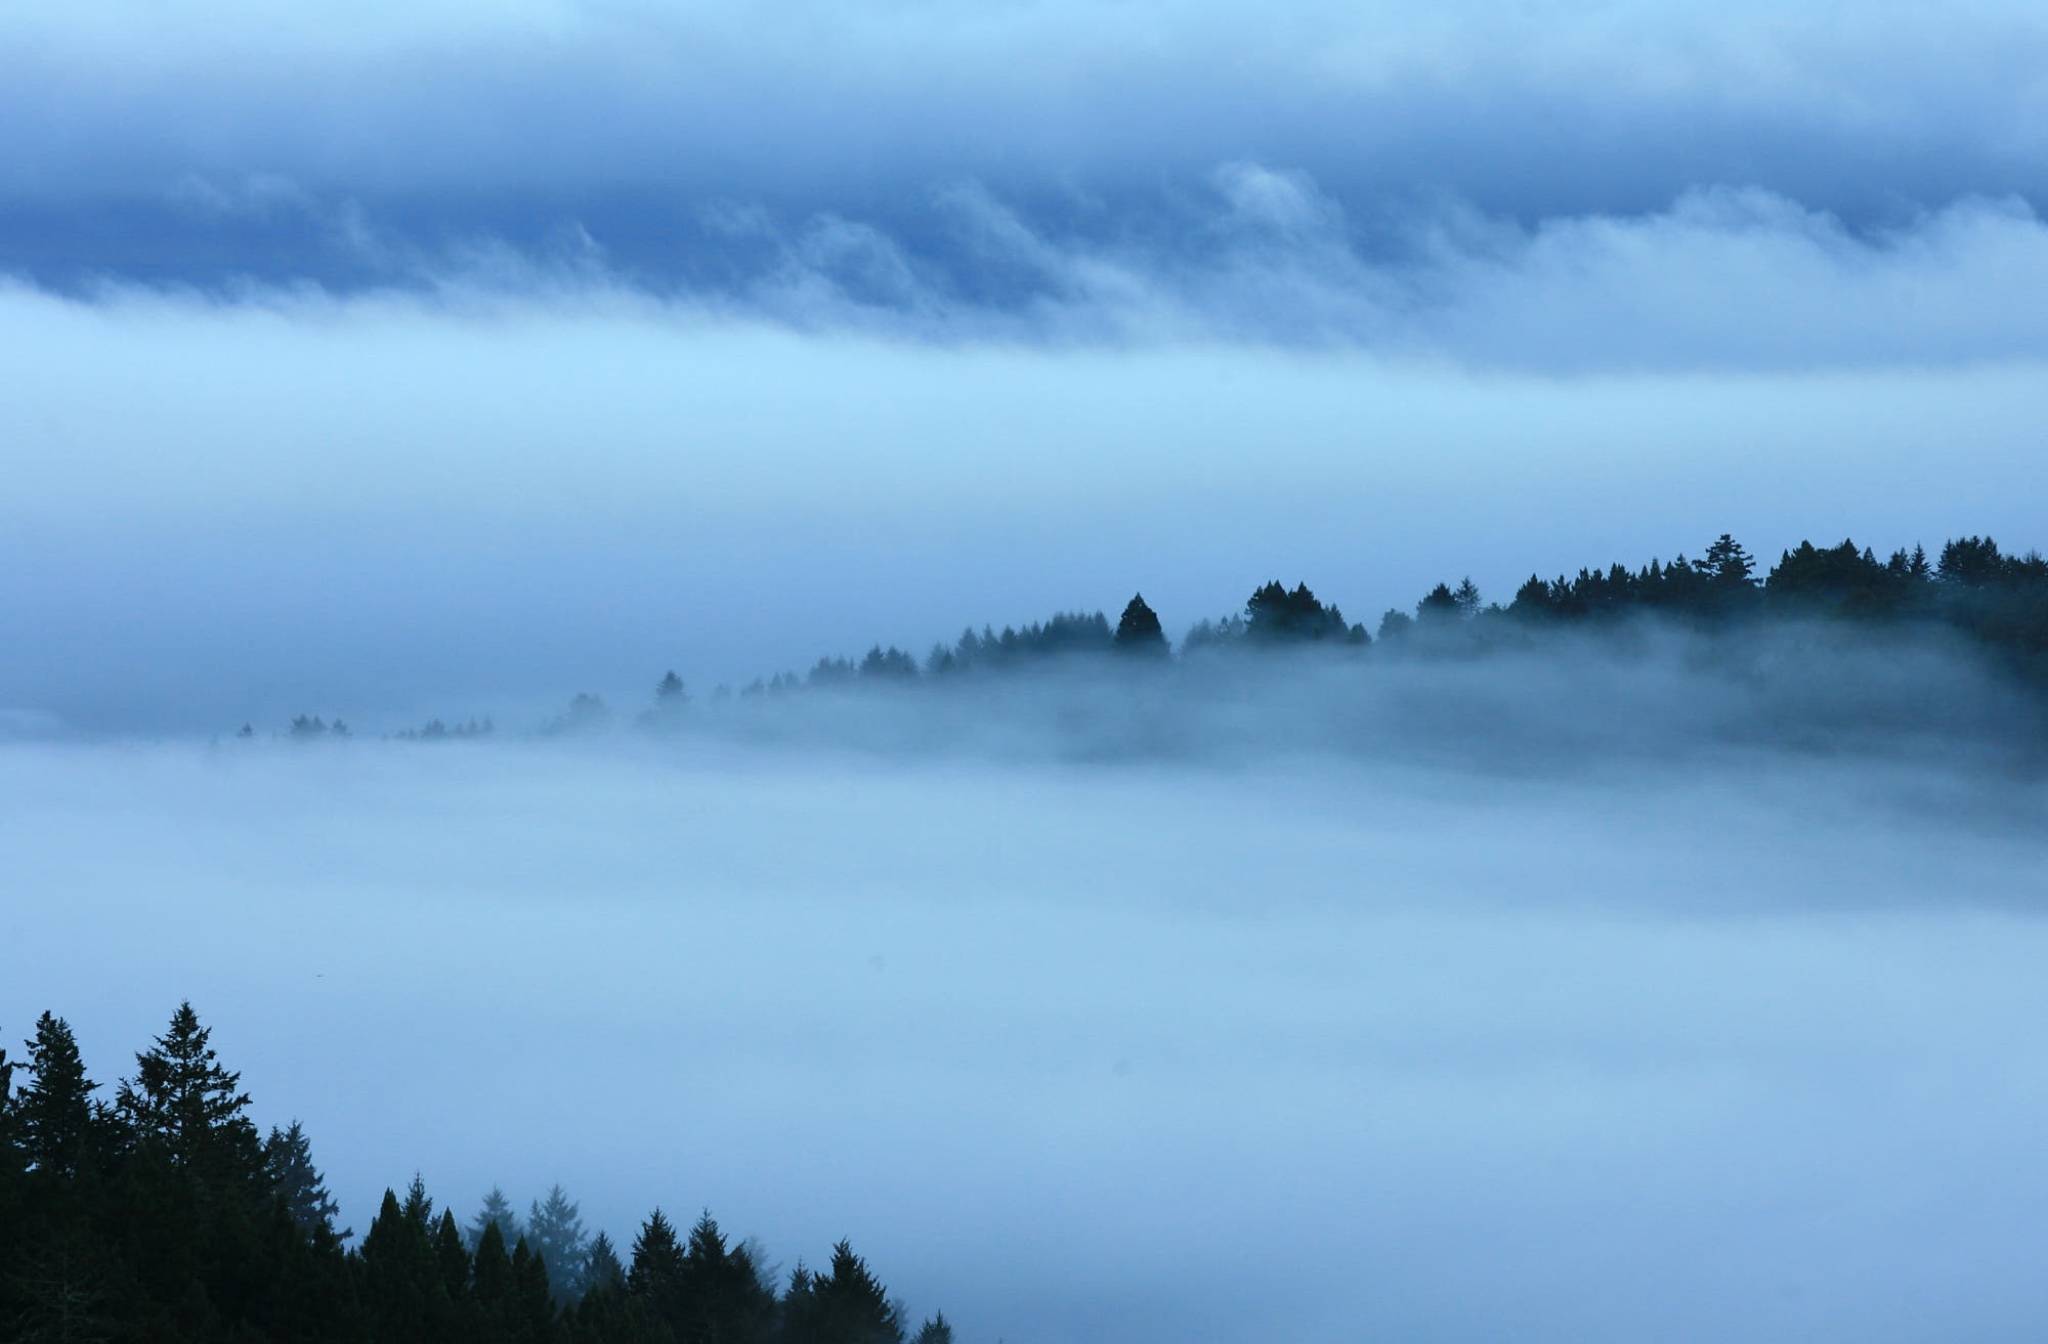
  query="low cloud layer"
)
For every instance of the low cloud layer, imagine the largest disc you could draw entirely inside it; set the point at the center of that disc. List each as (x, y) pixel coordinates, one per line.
(1716, 279)
(1300, 1052)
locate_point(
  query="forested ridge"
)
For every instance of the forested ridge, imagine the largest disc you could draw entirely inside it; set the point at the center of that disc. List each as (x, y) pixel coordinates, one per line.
(161, 1213)
(1971, 591)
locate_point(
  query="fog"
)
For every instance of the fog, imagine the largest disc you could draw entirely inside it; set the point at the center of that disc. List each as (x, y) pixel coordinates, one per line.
(1421, 999)
(434, 361)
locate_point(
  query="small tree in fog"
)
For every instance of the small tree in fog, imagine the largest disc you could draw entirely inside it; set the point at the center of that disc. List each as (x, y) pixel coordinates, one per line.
(1138, 629)
(554, 1229)
(497, 1211)
(288, 1162)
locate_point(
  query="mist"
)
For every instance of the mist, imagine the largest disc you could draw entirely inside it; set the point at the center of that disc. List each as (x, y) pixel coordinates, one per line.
(490, 501)
(1652, 1033)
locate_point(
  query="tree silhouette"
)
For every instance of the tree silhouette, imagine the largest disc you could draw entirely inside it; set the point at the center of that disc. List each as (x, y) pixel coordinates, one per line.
(1138, 629)
(288, 1163)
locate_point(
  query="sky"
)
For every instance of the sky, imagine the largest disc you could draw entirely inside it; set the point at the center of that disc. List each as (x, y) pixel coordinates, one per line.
(399, 360)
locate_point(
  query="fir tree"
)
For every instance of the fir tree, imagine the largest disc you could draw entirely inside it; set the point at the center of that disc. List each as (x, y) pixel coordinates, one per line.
(1438, 606)
(1138, 629)
(656, 1275)
(554, 1229)
(451, 1257)
(530, 1309)
(722, 1294)
(496, 1212)
(851, 1305)
(491, 1271)
(183, 1104)
(601, 1268)
(56, 1116)
(288, 1163)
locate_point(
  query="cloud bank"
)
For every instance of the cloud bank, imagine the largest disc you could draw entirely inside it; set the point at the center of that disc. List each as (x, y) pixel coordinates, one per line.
(1556, 186)
(1298, 1051)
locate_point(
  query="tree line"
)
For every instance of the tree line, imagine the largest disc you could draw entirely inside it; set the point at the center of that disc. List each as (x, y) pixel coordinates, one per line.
(161, 1213)
(1995, 600)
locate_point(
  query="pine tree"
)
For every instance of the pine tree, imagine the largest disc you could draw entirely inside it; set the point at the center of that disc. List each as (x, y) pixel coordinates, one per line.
(1438, 605)
(491, 1274)
(530, 1310)
(554, 1229)
(496, 1212)
(1138, 629)
(722, 1294)
(13, 1162)
(401, 1276)
(937, 1330)
(288, 1163)
(601, 1268)
(656, 1275)
(451, 1257)
(185, 1106)
(56, 1116)
(852, 1306)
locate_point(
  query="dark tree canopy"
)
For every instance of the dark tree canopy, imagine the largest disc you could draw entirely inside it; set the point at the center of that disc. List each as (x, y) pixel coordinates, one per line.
(1138, 629)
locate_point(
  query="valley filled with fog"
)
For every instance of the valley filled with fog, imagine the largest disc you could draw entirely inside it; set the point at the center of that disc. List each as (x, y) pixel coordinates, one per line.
(1620, 1028)
(490, 497)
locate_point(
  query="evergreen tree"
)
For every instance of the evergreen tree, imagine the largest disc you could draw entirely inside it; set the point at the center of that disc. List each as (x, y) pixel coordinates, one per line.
(496, 1212)
(451, 1257)
(937, 1330)
(491, 1271)
(530, 1310)
(184, 1105)
(288, 1163)
(1275, 615)
(601, 1267)
(403, 1280)
(1438, 606)
(1138, 629)
(56, 1116)
(722, 1293)
(851, 1305)
(656, 1276)
(418, 1209)
(554, 1229)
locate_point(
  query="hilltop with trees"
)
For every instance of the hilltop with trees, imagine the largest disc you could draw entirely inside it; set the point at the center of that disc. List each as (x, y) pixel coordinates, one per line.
(163, 1213)
(1972, 592)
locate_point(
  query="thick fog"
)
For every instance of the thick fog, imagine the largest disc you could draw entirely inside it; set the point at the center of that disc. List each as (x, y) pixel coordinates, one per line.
(1612, 1021)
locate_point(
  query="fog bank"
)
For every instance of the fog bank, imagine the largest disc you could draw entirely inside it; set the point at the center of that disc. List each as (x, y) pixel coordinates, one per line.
(1301, 1051)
